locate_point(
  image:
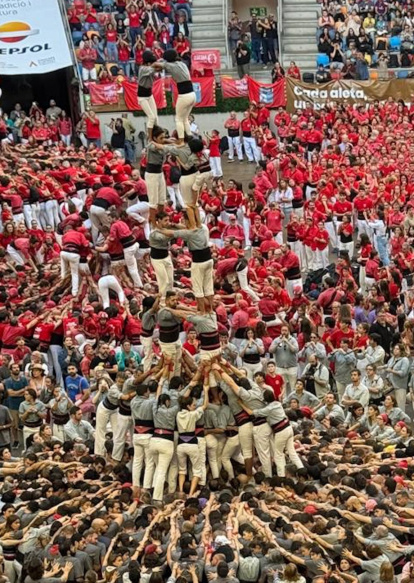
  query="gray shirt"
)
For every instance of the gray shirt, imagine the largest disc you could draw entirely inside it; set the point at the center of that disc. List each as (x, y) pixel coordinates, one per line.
(196, 239)
(285, 351)
(142, 408)
(178, 71)
(273, 412)
(345, 363)
(82, 430)
(206, 323)
(305, 399)
(146, 76)
(158, 240)
(164, 417)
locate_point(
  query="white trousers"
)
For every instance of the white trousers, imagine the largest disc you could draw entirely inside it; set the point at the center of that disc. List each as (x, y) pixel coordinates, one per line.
(162, 451)
(290, 376)
(262, 434)
(291, 283)
(130, 256)
(347, 247)
(123, 428)
(103, 417)
(174, 351)
(148, 352)
(246, 440)
(322, 258)
(215, 163)
(164, 272)
(16, 256)
(183, 108)
(110, 282)
(252, 152)
(186, 188)
(215, 445)
(99, 218)
(70, 260)
(149, 107)
(142, 458)
(202, 452)
(202, 279)
(156, 188)
(175, 195)
(235, 145)
(231, 451)
(244, 284)
(189, 452)
(283, 442)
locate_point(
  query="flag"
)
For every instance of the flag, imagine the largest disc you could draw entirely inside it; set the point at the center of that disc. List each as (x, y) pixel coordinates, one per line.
(271, 94)
(234, 87)
(205, 90)
(103, 94)
(131, 97)
(205, 59)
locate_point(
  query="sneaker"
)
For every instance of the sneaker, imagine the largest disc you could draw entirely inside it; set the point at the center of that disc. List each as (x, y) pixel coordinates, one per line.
(15, 445)
(230, 161)
(241, 161)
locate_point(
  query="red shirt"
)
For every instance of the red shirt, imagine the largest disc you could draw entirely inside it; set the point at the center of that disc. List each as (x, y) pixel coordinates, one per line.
(215, 147)
(276, 383)
(110, 195)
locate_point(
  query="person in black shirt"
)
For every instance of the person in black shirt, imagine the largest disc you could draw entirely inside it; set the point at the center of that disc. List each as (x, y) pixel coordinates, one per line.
(105, 358)
(118, 136)
(256, 36)
(384, 330)
(242, 59)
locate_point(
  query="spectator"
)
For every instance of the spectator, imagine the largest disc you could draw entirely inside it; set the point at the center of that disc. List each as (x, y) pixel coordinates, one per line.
(234, 32)
(242, 59)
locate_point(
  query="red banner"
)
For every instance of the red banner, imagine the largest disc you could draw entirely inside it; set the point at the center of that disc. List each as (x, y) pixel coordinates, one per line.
(103, 94)
(206, 59)
(204, 88)
(131, 97)
(271, 94)
(234, 87)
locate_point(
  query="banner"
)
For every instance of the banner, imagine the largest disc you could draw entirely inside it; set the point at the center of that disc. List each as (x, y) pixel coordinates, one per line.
(234, 87)
(131, 97)
(206, 59)
(271, 94)
(346, 92)
(103, 94)
(204, 88)
(32, 37)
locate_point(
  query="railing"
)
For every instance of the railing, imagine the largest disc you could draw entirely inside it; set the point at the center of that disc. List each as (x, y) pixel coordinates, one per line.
(225, 7)
(280, 29)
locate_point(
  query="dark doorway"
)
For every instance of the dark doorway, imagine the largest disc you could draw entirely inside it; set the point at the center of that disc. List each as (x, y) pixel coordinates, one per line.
(25, 89)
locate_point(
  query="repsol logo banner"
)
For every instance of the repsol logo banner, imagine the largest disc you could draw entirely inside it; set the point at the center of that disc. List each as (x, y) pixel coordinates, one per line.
(301, 95)
(32, 37)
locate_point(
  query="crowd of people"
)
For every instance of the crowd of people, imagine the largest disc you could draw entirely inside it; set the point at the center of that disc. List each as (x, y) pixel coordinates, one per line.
(378, 33)
(203, 379)
(110, 36)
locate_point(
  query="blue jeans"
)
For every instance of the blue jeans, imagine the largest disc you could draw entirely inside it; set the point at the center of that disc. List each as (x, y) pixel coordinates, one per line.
(126, 67)
(133, 33)
(96, 142)
(256, 44)
(383, 250)
(129, 151)
(186, 8)
(112, 50)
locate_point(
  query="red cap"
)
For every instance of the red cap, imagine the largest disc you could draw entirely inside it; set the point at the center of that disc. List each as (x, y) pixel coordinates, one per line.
(268, 291)
(384, 417)
(352, 435)
(310, 509)
(149, 549)
(243, 305)
(50, 304)
(401, 424)
(307, 411)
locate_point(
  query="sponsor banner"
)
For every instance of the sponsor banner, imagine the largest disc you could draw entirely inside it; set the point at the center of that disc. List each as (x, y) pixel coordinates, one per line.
(205, 59)
(204, 88)
(131, 97)
(103, 94)
(299, 94)
(270, 94)
(32, 37)
(234, 87)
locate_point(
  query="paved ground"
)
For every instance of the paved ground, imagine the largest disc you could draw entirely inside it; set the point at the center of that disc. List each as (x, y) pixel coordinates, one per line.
(241, 172)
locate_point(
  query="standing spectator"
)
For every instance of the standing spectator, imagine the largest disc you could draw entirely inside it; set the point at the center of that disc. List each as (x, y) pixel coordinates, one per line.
(118, 135)
(232, 125)
(111, 49)
(184, 5)
(88, 57)
(256, 37)
(65, 128)
(361, 68)
(129, 139)
(53, 110)
(234, 31)
(242, 59)
(267, 41)
(93, 128)
(215, 158)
